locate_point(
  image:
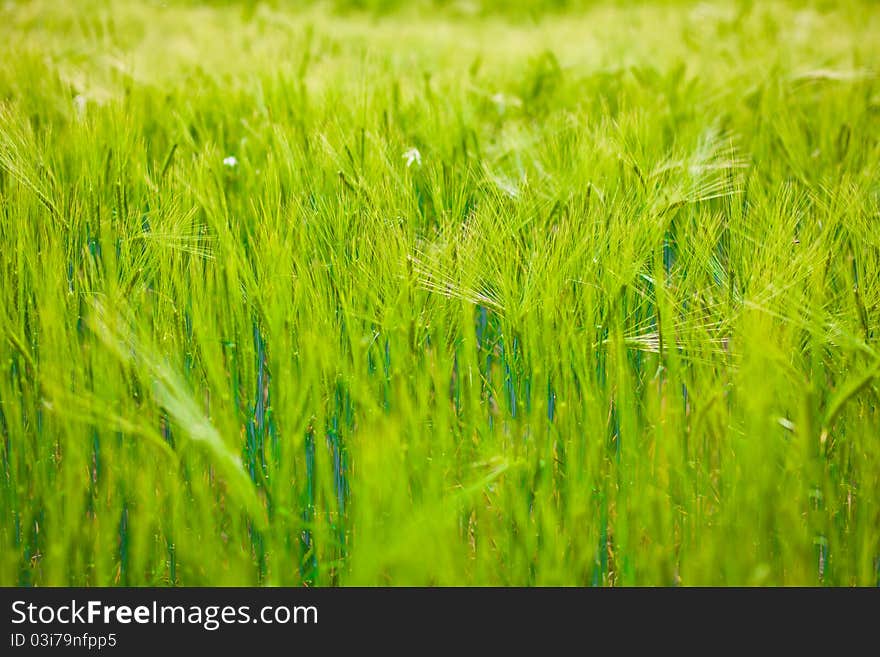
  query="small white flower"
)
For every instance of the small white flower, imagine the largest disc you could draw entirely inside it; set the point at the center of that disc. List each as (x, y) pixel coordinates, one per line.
(503, 101)
(230, 161)
(500, 102)
(413, 155)
(80, 102)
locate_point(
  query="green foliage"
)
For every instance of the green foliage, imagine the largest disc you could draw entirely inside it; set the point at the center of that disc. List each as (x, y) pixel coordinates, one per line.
(307, 296)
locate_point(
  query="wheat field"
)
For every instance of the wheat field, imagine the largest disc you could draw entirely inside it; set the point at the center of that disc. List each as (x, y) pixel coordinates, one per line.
(379, 293)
